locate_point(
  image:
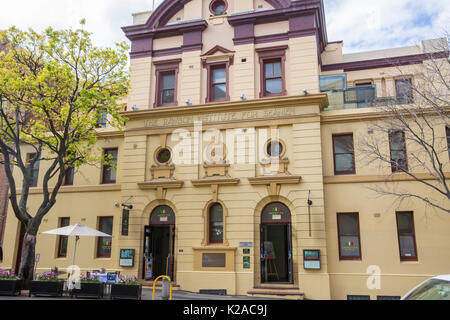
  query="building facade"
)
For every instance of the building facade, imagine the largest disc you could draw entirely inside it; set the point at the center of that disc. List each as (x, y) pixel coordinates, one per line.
(237, 169)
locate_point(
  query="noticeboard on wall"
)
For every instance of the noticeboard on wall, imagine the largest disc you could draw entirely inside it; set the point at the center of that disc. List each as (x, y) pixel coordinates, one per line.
(311, 259)
(126, 257)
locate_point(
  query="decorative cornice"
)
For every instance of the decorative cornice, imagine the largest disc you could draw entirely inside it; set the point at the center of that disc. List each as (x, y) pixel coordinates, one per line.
(214, 181)
(160, 183)
(378, 178)
(276, 179)
(384, 62)
(77, 189)
(320, 99)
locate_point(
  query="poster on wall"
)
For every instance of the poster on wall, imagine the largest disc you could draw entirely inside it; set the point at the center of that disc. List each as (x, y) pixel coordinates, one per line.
(126, 257)
(148, 268)
(269, 250)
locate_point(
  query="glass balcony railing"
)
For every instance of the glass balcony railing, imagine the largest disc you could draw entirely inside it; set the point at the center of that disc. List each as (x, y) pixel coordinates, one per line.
(352, 97)
(361, 97)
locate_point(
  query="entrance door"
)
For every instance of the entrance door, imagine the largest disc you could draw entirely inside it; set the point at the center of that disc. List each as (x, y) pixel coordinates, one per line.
(159, 244)
(276, 245)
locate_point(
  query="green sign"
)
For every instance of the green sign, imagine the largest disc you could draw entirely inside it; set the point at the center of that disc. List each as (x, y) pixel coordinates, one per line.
(246, 262)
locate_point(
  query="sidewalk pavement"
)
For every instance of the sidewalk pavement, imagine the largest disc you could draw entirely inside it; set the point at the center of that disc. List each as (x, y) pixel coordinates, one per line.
(146, 295)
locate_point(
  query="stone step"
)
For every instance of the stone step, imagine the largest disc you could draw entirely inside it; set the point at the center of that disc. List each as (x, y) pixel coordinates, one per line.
(277, 292)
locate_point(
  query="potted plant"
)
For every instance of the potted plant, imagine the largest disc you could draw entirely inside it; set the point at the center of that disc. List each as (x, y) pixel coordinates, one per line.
(47, 283)
(10, 284)
(127, 287)
(89, 286)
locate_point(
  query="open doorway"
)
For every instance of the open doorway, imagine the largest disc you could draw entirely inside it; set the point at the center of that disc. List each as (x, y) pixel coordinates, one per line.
(276, 244)
(159, 243)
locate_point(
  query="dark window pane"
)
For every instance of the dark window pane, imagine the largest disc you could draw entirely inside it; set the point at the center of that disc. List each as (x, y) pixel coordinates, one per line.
(348, 224)
(344, 154)
(398, 151)
(407, 246)
(447, 129)
(168, 96)
(343, 144)
(68, 181)
(216, 223)
(168, 81)
(109, 168)
(404, 90)
(104, 243)
(164, 156)
(219, 75)
(404, 221)
(220, 91)
(397, 140)
(344, 162)
(274, 85)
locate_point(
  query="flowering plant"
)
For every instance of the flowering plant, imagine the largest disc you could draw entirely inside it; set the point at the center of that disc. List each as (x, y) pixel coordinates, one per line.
(47, 276)
(8, 275)
(129, 280)
(89, 278)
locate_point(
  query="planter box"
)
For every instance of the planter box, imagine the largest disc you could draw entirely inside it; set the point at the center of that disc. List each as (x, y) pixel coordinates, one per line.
(11, 287)
(122, 291)
(48, 288)
(89, 289)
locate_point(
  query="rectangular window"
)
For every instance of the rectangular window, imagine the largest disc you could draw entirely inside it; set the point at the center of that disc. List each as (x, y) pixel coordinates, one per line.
(397, 144)
(349, 236)
(272, 71)
(167, 88)
(273, 77)
(218, 83)
(352, 297)
(388, 298)
(406, 236)
(63, 240)
(34, 170)
(102, 119)
(110, 166)
(68, 179)
(105, 224)
(403, 88)
(344, 155)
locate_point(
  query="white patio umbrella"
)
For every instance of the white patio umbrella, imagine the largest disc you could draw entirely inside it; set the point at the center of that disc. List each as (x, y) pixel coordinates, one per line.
(77, 230)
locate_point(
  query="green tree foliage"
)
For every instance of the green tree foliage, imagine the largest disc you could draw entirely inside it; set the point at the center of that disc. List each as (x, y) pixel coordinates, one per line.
(55, 86)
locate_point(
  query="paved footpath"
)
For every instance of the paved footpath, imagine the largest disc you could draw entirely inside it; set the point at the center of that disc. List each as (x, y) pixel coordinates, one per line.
(146, 295)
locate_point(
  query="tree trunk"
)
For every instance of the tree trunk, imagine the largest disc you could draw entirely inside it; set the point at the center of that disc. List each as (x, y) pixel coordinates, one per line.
(26, 269)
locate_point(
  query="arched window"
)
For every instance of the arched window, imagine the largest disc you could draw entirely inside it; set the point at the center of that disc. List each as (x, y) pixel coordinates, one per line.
(216, 223)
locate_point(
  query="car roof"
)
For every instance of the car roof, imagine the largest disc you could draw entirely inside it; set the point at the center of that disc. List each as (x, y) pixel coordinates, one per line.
(445, 277)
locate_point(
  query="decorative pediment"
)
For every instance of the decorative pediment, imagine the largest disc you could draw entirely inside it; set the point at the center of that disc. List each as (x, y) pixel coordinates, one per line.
(220, 49)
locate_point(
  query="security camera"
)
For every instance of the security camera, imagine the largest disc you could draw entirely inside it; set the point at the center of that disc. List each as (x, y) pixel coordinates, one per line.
(128, 206)
(188, 102)
(116, 205)
(243, 97)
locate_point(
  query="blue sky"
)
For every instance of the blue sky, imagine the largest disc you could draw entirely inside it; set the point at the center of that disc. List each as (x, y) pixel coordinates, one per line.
(362, 24)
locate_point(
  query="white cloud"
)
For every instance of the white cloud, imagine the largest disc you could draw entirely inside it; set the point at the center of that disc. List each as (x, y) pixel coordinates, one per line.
(104, 18)
(379, 24)
(362, 24)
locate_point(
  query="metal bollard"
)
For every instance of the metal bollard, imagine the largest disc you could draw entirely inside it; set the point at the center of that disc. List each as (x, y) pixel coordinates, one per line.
(165, 292)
